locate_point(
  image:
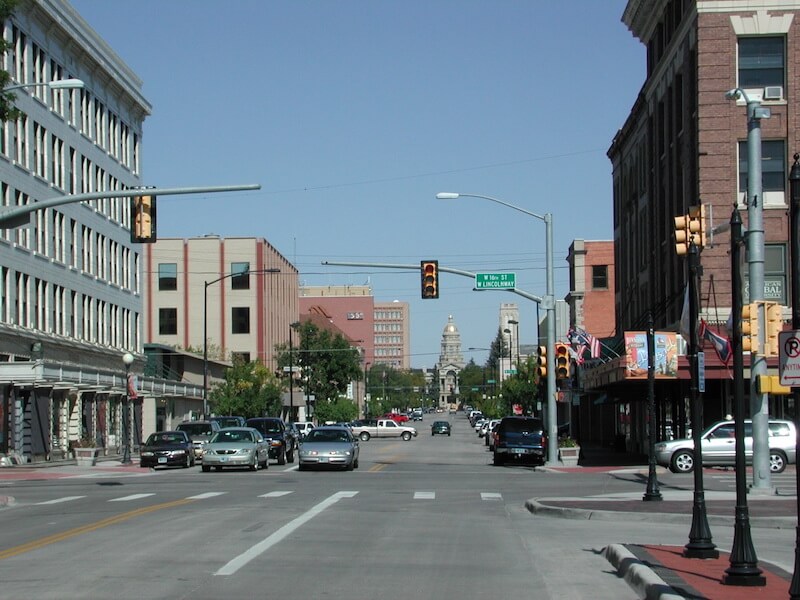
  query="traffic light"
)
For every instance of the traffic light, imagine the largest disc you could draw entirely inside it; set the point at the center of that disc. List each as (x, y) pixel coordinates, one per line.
(750, 327)
(143, 219)
(697, 225)
(682, 236)
(774, 319)
(541, 362)
(430, 278)
(562, 361)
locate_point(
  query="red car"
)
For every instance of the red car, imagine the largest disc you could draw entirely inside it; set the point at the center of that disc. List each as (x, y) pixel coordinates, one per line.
(396, 417)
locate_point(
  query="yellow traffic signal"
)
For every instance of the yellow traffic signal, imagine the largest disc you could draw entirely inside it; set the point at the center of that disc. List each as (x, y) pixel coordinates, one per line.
(750, 327)
(697, 225)
(771, 384)
(562, 361)
(774, 325)
(541, 362)
(682, 235)
(143, 219)
(429, 270)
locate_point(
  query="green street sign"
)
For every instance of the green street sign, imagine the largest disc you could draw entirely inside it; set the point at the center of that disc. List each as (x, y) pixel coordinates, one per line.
(495, 281)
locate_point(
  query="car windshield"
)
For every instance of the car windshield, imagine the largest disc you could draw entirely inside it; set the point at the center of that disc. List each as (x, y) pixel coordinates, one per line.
(328, 435)
(232, 435)
(195, 428)
(165, 439)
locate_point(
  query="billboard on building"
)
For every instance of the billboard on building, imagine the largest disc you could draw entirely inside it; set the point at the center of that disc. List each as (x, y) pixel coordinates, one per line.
(666, 359)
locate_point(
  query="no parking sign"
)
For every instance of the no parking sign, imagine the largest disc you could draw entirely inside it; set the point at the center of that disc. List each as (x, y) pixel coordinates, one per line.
(789, 358)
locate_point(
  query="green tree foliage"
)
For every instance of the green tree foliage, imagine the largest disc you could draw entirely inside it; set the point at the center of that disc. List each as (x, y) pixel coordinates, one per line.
(522, 388)
(338, 411)
(249, 390)
(391, 388)
(7, 109)
(499, 349)
(327, 361)
(472, 383)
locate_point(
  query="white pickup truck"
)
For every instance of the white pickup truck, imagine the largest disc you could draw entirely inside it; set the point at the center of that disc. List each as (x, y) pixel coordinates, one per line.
(383, 428)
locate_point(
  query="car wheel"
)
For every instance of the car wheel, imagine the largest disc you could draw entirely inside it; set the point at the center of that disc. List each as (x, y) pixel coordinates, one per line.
(290, 457)
(364, 436)
(497, 460)
(187, 464)
(350, 466)
(777, 461)
(355, 464)
(406, 436)
(432, 434)
(682, 462)
(254, 466)
(206, 468)
(282, 457)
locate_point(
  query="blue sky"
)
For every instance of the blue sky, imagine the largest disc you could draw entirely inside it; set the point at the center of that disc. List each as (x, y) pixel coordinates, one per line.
(352, 115)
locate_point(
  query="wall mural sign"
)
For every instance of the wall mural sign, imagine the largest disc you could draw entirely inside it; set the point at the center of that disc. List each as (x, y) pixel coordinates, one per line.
(666, 359)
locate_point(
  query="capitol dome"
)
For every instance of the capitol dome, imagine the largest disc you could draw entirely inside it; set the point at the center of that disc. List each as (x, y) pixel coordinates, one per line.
(450, 327)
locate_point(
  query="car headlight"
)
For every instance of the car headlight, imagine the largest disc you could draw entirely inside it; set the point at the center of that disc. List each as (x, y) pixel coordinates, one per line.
(147, 453)
(178, 452)
(244, 451)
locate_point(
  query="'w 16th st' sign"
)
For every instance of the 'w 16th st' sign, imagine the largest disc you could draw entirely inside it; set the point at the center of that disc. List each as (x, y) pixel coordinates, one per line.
(495, 281)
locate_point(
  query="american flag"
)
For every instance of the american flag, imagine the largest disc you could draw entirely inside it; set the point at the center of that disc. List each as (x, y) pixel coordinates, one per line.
(587, 339)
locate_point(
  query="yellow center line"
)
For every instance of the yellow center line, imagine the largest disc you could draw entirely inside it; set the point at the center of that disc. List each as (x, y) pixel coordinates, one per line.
(378, 467)
(64, 535)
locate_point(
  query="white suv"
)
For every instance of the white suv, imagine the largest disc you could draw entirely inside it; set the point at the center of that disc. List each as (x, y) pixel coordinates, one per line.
(719, 447)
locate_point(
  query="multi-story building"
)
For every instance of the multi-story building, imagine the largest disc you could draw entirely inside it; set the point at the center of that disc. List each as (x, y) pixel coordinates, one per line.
(451, 363)
(591, 287)
(240, 291)
(393, 334)
(70, 287)
(684, 144)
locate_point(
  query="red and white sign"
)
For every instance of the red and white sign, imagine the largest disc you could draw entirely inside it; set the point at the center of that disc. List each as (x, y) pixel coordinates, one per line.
(789, 358)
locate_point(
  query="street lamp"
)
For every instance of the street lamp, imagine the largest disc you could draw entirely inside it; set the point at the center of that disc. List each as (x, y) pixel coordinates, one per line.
(291, 371)
(550, 311)
(127, 359)
(205, 325)
(56, 84)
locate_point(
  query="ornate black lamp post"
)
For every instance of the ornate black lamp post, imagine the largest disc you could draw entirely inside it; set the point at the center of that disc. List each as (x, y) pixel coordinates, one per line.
(652, 493)
(127, 359)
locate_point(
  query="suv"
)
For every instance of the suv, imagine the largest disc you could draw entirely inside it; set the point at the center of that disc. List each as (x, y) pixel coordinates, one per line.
(520, 438)
(229, 421)
(719, 447)
(199, 432)
(282, 442)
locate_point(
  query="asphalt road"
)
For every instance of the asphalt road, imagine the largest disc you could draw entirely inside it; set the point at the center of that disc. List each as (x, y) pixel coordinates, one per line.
(429, 518)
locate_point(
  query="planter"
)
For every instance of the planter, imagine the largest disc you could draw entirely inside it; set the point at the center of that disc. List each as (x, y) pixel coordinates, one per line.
(86, 457)
(569, 456)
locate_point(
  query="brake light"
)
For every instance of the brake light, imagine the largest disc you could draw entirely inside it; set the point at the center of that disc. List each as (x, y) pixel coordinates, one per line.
(544, 440)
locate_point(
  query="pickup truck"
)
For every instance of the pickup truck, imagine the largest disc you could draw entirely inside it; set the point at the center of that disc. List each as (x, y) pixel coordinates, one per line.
(383, 428)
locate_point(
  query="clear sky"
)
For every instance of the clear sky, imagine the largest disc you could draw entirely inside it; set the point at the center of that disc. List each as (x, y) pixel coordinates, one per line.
(353, 114)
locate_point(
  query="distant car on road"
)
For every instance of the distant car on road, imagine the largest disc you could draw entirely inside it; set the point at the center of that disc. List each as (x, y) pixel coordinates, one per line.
(329, 446)
(167, 449)
(199, 432)
(282, 443)
(236, 447)
(229, 421)
(440, 427)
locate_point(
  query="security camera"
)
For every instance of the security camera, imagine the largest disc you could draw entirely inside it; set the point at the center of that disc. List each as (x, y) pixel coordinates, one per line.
(733, 94)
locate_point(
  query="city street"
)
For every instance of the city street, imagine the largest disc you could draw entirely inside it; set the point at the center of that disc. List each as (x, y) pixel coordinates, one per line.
(426, 518)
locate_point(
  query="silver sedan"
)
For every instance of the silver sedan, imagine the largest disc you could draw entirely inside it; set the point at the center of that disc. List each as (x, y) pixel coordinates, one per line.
(329, 447)
(236, 447)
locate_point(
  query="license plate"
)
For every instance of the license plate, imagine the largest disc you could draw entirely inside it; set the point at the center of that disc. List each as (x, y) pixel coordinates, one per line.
(162, 460)
(323, 459)
(223, 459)
(518, 450)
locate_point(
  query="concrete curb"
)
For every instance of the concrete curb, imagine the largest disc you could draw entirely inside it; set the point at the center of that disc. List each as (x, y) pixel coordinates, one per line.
(636, 574)
(539, 507)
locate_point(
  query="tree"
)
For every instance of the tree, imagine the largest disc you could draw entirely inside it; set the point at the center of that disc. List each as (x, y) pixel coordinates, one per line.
(327, 361)
(340, 410)
(391, 388)
(499, 349)
(249, 390)
(7, 109)
(522, 388)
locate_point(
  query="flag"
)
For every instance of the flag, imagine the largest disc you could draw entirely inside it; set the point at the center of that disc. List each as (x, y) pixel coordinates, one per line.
(684, 325)
(589, 341)
(722, 345)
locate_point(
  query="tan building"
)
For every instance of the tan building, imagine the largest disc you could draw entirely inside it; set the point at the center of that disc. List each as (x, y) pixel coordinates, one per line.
(192, 284)
(393, 334)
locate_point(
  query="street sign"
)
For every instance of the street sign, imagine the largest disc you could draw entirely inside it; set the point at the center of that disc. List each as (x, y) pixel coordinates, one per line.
(789, 358)
(510, 371)
(495, 281)
(701, 372)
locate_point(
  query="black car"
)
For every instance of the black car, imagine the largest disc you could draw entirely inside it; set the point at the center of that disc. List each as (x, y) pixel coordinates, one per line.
(167, 449)
(441, 427)
(283, 443)
(520, 439)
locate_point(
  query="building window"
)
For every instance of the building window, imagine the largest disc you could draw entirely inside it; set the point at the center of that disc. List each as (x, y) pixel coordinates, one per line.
(600, 277)
(240, 357)
(240, 319)
(775, 275)
(167, 277)
(761, 61)
(241, 279)
(168, 321)
(773, 170)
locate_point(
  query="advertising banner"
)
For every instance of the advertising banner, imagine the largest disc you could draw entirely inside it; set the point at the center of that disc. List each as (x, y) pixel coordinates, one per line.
(666, 359)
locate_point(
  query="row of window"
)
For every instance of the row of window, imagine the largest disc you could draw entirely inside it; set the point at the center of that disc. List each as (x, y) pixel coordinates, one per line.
(168, 276)
(384, 315)
(168, 320)
(383, 327)
(388, 339)
(26, 62)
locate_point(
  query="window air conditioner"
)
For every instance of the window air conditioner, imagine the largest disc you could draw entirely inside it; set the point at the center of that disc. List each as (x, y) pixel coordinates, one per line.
(773, 92)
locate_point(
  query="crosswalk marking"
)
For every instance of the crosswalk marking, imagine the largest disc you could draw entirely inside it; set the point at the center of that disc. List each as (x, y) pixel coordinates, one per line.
(275, 494)
(60, 500)
(205, 495)
(424, 495)
(491, 496)
(131, 497)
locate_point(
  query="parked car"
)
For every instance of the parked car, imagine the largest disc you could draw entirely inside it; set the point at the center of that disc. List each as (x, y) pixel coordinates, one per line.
(167, 449)
(229, 421)
(719, 447)
(236, 447)
(282, 444)
(199, 432)
(440, 427)
(329, 446)
(520, 438)
(488, 436)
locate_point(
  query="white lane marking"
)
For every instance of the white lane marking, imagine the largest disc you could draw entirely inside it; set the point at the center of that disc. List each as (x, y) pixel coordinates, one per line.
(131, 497)
(205, 495)
(245, 557)
(424, 495)
(60, 500)
(491, 496)
(276, 494)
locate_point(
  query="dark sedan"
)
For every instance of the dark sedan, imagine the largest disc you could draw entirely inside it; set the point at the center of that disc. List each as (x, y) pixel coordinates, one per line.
(167, 449)
(441, 427)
